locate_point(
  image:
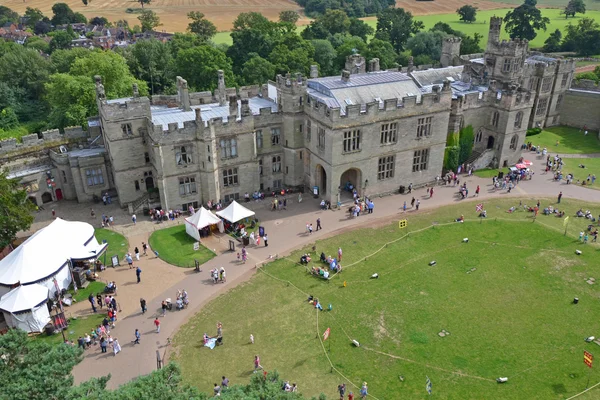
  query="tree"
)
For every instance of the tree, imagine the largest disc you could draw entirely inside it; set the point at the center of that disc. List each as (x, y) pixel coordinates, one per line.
(142, 2)
(335, 21)
(36, 42)
(427, 44)
(33, 16)
(552, 44)
(382, 50)
(99, 21)
(257, 71)
(524, 21)
(152, 61)
(199, 66)
(8, 119)
(62, 60)
(351, 45)
(470, 44)
(61, 40)
(149, 20)
(584, 38)
(360, 28)
(467, 13)
(465, 143)
(62, 14)
(79, 18)
(15, 216)
(25, 68)
(574, 6)
(8, 16)
(396, 26)
(325, 56)
(289, 16)
(292, 54)
(85, 2)
(202, 27)
(42, 27)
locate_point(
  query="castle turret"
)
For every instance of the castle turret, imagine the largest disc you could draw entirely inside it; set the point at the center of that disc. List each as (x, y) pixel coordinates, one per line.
(504, 59)
(221, 89)
(450, 51)
(356, 64)
(495, 28)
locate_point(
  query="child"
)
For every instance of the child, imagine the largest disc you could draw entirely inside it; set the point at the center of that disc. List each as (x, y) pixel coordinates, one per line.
(238, 257)
(581, 236)
(251, 339)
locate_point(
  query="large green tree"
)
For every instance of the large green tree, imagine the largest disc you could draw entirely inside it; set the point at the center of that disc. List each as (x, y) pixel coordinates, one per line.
(396, 26)
(377, 48)
(151, 61)
(257, 71)
(15, 216)
(8, 16)
(33, 16)
(467, 13)
(552, 44)
(202, 27)
(62, 14)
(523, 21)
(574, 7)
(584, 37)
(61, 40)
(199, 66)
(426, 44)
(149, 20)
(289, 16)
(465, 143)
(325, 56)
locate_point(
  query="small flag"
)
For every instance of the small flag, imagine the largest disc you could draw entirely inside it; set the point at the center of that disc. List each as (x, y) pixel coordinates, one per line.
(428, 385)
(479, 207)
(565, 221)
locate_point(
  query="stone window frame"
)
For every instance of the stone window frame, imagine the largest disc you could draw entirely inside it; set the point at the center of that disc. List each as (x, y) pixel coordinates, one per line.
(277, 184)
(260, 167)
(420, 160)
(424, 127)
(547, 84)
(513, 142)
(308, 130)
(541, 107)
(136, 184)
(185, 206)
(495, 119)
(64, 176)
(230, 177)
(321, 133)
(275, 136)
(259, 139)
(507, 65)
(183, 156)
(232, 196)
(388, 133)
(351, 141)
(386, 166)
(94, 177)
(479, 136)
(518, 119)
(187, 185)
(228, 147)
(147, 157)
(276, 164)
(127, 129)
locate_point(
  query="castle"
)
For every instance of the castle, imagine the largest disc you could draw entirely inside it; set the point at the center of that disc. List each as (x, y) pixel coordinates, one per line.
(375, 130)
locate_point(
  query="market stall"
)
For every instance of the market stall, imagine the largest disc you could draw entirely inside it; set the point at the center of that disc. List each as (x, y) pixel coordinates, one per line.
(200, 220)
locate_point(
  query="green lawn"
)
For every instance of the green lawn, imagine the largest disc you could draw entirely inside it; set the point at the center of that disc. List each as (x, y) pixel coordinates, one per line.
(557, 21)
(176, 247)
(77, 327)
(117, 243)
(571, 140)
(488, 172)
(83, 294)
(505, 297)
(592, 167)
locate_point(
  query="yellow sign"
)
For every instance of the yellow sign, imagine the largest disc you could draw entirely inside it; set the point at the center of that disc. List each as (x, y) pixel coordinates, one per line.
(402, 223)
(565, 221)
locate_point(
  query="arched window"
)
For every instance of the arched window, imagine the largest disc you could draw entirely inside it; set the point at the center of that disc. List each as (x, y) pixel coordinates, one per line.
(513, 142)
(276, 161)
(183, 157)
(479, 136)
(495, 119)
(518, 119)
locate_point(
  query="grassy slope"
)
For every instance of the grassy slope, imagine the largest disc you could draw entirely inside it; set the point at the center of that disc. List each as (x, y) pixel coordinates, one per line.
(481, 26)
(176, 247)
(117, 243)
(511, 317)
(571, 140)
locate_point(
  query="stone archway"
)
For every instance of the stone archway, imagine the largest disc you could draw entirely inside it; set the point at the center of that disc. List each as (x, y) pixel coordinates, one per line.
(351, 179)
(149, 183)
(490, 143)
(321, 179)
(46, 197)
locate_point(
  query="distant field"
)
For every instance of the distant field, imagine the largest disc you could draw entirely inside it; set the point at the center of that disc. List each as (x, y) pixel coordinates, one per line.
(590, 4)
(557, 21)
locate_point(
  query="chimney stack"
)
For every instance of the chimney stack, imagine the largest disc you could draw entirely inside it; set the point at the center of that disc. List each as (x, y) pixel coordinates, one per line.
(183, 94)
(345, 75)
(198, 115)
(314, 71)
(233, 107)
(245, 109)
(374, 65)
(221, 95)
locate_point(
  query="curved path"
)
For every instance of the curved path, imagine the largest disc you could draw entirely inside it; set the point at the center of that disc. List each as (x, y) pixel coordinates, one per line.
(286, 232)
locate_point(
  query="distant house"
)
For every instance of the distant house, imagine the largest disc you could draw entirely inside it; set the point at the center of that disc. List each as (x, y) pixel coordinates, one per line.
(15, 33)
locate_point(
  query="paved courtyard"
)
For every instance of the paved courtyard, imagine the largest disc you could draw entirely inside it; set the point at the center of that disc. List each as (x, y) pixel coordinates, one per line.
(286, 231)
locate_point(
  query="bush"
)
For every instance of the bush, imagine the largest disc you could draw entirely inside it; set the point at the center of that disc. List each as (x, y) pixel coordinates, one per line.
(533, 131)
(587, 75)
(451, 158)
(131, 10)
(465, 143)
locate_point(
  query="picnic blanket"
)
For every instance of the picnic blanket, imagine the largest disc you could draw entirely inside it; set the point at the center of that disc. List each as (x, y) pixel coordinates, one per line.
(211, 343)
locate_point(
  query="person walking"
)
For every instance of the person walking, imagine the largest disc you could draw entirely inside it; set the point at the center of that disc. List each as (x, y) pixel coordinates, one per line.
(339, 254)
(92, 301)
(163, 306)
(310, 229)
(431, 193)
(342, 390)
(412, 203)
(138, 273)
(257, 365)
(224, 383)
(129, 260)
(157, 324)
(134, 219)
(404, 207)
(266, 238)
(477, 191)
(319, 224)
(137, 337)
(136, 251)
(143, 305)
(364, 391)
(103, 344)
(145, 248)
(99, 300)
(116, 346)
(559, 197)
(417, 205)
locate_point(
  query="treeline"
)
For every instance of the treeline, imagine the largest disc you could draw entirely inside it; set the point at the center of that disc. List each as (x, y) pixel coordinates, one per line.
(582, 38)
(48, 84)
(354, 8)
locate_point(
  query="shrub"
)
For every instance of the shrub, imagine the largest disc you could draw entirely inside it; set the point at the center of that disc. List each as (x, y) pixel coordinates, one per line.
(533, 131)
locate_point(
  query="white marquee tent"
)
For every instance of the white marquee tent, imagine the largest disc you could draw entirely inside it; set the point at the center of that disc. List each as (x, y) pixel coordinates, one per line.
(25, 307)
(46, 255)
(199, 220)
(235, 212)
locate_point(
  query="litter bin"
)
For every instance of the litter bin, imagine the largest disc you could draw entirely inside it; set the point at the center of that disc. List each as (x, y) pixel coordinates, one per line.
(246, 240)
(402, 189)
(500, 175)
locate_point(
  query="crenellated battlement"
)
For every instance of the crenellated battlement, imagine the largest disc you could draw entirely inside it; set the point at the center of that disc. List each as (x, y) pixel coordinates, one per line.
(50, 138)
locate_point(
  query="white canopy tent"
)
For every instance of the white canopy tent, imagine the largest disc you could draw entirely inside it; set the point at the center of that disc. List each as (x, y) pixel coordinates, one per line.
(235, 212)
(199, 220)
(25, 307)
(47, 253)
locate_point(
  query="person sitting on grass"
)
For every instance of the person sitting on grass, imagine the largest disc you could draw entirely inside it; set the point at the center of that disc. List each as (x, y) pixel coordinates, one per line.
(460, 219)
(511, 210)
(483, 214)
(579, 213)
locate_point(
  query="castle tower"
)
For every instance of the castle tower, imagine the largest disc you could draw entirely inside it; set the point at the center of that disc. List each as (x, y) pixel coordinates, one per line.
(450, 51)
(495, 28)
(504, 59)
(356, 64)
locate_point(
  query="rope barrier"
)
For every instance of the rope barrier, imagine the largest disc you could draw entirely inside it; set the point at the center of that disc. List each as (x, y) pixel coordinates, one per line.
(585, 391)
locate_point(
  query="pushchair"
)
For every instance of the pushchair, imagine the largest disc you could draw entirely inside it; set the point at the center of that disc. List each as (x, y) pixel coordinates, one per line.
(169, 304)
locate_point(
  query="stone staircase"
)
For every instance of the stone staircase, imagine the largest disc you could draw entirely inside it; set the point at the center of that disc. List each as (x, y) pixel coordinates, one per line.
(474, 156)
(135, 205)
